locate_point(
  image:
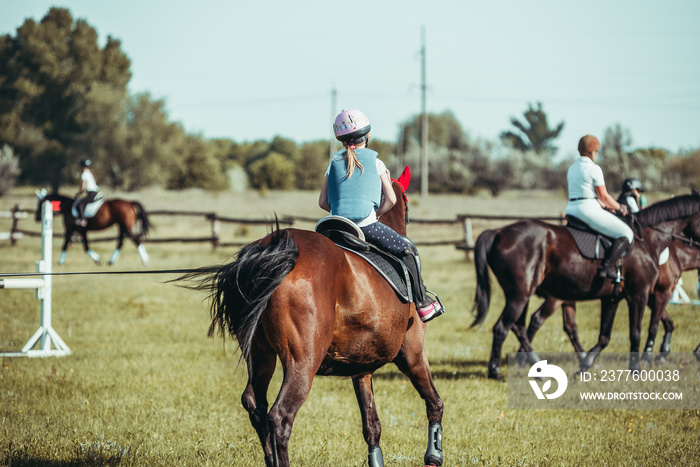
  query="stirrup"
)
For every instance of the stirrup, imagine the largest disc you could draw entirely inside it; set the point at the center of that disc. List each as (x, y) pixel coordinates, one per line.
(431, 311)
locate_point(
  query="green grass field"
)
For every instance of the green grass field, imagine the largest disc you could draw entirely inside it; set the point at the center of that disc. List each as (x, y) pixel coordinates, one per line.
(144, 385)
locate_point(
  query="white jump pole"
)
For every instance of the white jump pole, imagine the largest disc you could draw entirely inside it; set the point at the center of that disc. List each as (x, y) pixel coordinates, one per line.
(45, 335)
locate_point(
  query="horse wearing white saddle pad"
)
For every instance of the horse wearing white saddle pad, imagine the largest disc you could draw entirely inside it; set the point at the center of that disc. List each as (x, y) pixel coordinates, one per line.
(91, 208)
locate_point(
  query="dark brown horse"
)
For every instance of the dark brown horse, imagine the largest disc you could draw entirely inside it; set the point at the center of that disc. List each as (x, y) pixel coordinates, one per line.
(684, 255)
(532, 257)
(296, 296)
(125, 214)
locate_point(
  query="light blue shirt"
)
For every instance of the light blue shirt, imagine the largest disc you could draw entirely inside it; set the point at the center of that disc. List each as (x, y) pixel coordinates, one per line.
(359, 196)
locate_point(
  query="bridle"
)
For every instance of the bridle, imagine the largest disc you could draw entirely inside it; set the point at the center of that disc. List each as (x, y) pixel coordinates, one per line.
(681, 238)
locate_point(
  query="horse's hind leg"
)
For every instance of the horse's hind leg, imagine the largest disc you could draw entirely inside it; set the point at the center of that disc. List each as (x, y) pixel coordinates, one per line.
(140, 247)
(254, 398)
(413, 362)
(511, 313)
(371, 426)
(568, 310)
(120, 241)
(293, 392)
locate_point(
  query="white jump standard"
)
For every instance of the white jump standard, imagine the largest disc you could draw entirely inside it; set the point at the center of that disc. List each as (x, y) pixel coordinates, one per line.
(45, 336)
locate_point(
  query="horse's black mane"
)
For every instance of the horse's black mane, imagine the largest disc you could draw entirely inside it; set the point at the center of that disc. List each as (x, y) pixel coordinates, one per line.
(670, 209)
(58, 197)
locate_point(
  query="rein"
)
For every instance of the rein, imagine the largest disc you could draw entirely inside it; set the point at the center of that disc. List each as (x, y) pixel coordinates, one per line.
(682, 238)
(97, 273)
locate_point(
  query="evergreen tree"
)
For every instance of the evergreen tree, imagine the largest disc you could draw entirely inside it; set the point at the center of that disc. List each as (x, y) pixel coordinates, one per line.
(534, 134)
(51, 73)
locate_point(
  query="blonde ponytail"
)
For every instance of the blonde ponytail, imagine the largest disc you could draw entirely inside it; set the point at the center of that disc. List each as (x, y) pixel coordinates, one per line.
(352, 159)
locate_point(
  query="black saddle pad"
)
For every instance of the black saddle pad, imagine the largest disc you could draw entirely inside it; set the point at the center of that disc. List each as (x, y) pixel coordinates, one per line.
(591, 244)
(389, 266)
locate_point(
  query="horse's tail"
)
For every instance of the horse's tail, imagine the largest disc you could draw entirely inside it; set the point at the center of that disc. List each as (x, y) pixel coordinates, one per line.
(240, 290)
(142, 216)
(482, 299)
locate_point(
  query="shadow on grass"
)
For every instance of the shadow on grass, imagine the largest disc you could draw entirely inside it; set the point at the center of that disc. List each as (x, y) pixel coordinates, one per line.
(441, 369)
(85, 455)
(41, 462)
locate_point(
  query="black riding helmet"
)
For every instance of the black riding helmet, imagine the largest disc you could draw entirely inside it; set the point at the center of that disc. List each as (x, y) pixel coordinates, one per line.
(85, 163)
(632, 184)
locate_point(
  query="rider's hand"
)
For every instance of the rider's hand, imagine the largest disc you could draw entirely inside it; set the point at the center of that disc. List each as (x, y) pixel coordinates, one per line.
(623, 210)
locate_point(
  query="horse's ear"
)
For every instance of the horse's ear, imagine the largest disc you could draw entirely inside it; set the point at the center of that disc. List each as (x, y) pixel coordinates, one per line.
(405, 178)
(694, 191)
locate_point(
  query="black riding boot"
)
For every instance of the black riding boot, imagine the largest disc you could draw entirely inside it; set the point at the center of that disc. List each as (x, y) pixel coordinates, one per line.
(608, 268)
(411, 261)
(80, 220)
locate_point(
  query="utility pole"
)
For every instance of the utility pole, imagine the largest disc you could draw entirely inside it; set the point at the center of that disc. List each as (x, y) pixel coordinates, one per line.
(399, 151)
(332, 143)
(423, 124)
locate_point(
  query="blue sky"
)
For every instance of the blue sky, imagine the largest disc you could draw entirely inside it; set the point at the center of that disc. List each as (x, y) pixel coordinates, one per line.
(253, 70)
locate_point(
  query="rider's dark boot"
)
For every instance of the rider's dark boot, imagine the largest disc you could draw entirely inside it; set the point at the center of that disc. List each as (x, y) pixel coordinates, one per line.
(427, 307)
(608, 268)
(80, 220)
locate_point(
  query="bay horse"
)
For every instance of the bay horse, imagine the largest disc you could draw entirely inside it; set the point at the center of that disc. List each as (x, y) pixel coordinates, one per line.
(296, 296)
(684, 255)
(532, 257)
(125, 214)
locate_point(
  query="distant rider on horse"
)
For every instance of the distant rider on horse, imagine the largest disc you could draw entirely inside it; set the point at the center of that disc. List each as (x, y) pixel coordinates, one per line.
(89, 186)
(631, 195)
(587, 198)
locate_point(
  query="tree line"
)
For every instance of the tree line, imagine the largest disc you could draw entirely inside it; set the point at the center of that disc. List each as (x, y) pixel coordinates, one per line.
(64, 98)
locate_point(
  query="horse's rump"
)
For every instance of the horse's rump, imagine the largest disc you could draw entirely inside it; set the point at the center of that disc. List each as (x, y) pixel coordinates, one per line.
(345, 307)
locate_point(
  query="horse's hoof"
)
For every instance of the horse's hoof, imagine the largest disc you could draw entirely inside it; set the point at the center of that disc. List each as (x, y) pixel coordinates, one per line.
(587, 362)
(532, 357)
(521, 358)
(634, 362)
(495, 373)
(581, 356)
(697, 355)
(661, 359)
(646, 357)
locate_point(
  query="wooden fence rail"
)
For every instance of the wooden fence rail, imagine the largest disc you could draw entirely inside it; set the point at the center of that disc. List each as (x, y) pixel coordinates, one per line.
(16, 214)
(465, 243)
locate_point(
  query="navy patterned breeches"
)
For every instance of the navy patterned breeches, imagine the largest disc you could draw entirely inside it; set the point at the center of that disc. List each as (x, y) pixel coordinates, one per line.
(386, 238)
